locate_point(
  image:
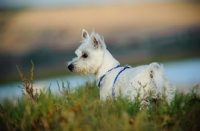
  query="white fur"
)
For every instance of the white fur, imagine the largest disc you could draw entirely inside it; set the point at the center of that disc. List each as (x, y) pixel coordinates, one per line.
(143, 80)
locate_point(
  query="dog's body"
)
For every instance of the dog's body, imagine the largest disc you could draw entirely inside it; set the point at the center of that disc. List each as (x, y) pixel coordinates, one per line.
(144, 81)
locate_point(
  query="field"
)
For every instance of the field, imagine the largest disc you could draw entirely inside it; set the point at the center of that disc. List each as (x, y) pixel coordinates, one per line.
(81, 109)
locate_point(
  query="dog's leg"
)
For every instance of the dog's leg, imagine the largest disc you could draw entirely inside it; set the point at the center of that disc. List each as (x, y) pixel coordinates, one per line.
(145, 86)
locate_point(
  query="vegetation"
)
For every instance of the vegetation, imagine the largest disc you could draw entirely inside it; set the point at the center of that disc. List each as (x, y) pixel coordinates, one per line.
(81, 109)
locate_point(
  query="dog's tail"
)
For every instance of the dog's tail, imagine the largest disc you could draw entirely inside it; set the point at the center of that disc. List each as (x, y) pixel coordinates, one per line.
(163, 85)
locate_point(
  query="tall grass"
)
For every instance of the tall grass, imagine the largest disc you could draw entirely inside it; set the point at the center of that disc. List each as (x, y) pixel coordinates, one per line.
(82, 109)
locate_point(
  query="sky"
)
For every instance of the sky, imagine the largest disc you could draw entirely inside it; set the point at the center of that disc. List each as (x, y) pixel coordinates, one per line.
(59, 3)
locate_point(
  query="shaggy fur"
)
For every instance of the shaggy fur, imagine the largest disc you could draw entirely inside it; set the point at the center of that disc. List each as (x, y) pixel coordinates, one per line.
(146, 81)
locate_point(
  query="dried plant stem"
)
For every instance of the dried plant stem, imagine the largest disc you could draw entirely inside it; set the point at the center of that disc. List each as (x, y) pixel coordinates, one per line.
(27, 88)
(64, 91)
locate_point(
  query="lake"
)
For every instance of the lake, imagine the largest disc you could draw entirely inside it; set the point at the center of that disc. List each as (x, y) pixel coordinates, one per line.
(184, 74)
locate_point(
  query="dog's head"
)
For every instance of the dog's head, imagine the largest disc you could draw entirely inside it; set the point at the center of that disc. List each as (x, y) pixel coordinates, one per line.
(89, 54)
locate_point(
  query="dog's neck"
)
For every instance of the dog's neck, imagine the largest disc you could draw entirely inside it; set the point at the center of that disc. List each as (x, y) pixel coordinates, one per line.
(108, 63)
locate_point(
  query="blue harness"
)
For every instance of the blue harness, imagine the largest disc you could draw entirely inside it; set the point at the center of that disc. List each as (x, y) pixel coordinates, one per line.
(113, 89)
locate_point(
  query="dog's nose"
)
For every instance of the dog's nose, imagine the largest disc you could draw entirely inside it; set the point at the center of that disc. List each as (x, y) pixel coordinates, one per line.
(71, 67)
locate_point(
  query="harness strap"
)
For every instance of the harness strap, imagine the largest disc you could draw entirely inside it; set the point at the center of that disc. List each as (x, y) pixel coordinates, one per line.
(99, 83)
(113, 88)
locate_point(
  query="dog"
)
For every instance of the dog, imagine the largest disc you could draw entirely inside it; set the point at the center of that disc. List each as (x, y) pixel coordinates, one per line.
(142, 83)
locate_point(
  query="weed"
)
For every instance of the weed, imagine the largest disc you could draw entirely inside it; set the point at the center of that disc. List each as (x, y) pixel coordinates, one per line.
(27, 88)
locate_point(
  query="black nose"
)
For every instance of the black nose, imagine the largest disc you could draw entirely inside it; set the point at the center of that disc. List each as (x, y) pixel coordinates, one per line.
(71, 67)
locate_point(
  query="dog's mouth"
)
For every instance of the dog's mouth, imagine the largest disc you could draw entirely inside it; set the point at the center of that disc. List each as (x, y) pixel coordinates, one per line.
(72, 68)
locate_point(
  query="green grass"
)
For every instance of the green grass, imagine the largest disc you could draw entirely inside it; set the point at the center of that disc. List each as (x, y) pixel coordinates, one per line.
(82, 109)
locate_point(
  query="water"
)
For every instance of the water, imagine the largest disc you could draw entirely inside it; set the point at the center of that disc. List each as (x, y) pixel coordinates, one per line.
(183, 74)
(13, 90)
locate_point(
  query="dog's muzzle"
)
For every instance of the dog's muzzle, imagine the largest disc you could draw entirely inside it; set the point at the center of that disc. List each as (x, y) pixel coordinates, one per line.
(71, 67)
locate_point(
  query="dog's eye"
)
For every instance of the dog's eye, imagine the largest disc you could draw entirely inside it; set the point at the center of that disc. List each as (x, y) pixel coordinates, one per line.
(84, 55)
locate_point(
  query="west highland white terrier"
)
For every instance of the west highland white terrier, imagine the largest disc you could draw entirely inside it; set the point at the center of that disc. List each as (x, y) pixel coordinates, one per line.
(143, 82)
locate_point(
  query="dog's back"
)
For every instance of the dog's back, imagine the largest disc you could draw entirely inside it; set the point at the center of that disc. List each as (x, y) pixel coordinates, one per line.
(145, 81)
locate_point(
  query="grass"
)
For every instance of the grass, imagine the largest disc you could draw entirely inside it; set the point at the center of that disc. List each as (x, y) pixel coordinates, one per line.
(82, 109)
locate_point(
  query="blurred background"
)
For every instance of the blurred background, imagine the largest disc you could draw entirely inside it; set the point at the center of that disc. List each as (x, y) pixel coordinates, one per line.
(135, 31)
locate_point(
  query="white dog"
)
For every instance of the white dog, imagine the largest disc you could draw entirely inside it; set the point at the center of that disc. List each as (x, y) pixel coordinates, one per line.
(113, 80)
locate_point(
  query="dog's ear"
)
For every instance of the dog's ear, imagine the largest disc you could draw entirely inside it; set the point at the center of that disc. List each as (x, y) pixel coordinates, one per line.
(95, 42)
(98, 43)
(85, 35)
